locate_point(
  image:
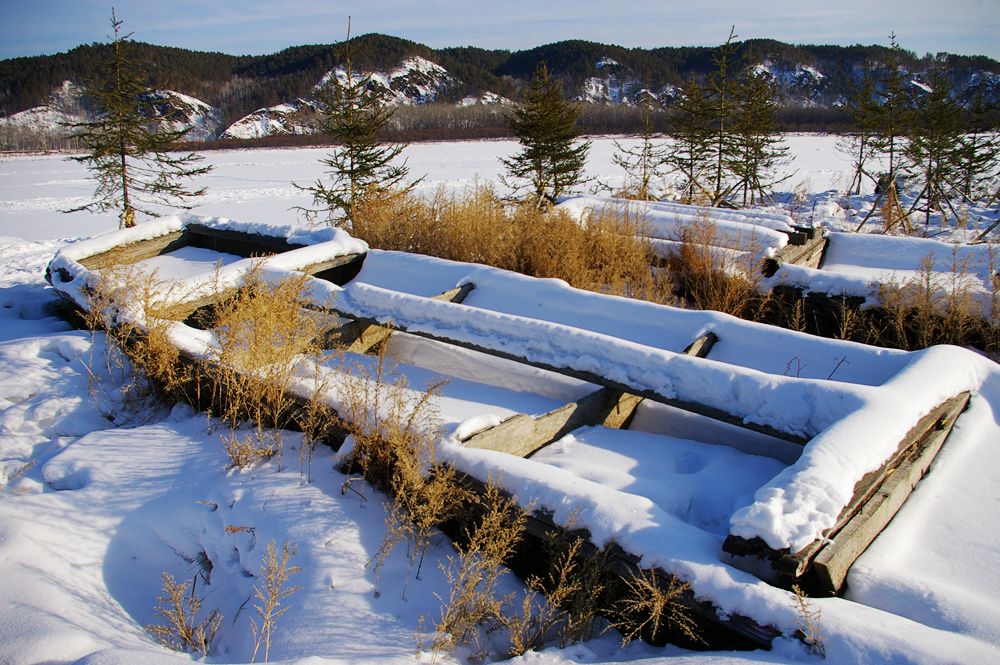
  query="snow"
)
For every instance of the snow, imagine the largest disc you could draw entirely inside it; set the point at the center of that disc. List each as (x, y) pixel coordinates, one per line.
(119, 494)
(415, 80)
(760, 230)
(861, 265)
(287, 118)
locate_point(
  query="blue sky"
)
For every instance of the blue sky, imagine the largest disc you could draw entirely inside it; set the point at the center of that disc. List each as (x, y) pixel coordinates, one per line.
(970, 27)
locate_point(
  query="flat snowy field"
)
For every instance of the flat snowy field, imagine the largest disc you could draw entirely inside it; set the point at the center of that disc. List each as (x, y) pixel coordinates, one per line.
(97, 500)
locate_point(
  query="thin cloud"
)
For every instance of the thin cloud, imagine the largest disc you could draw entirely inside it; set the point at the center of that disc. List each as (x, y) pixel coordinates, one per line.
(256, 27)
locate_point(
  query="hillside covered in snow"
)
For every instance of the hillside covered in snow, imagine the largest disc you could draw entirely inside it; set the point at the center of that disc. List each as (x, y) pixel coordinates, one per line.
(252, 97)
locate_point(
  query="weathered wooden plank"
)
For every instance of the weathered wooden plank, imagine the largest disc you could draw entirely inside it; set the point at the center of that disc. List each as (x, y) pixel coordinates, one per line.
(877, 497)
(363, 336)
(832, 563)
(701, 347)
(239, 243)
(522, 435)
(600, 380)
(136, 251)
(183, 310)
(809, 253)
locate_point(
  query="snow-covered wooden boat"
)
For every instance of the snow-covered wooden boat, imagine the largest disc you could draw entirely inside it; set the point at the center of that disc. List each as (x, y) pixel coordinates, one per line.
(595, 409)
(194, 250)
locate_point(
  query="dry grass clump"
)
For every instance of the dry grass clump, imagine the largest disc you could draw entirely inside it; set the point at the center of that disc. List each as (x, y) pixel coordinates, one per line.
(810, 630)
(266, 339)
(132, 307)
(270, 595)
(937, 308)
(603, 254)
(651, 605)
(563, 604)
(182, 630)
(474, 572)
(712, 278)
(394, 432)
(8, 477)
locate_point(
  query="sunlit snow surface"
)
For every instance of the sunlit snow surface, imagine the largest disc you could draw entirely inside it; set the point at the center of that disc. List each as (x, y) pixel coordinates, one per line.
(118, 496)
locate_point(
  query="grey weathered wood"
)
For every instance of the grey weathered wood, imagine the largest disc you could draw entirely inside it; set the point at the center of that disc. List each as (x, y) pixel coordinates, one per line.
(362, 336)
(183, 309)
(834, 560)
(701, 347)
(877, 497)
(522, 435)
(136, 251)
(600, 380)
(808, 254)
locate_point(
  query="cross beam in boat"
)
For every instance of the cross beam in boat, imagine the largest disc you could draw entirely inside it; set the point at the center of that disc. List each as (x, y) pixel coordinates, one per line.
(523, 435)
(595, 378)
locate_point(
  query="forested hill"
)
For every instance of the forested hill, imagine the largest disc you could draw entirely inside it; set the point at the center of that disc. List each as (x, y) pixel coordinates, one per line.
(815, 77)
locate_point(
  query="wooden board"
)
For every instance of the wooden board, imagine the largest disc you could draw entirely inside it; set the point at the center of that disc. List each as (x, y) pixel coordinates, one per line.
(183, 310)
(821, 567)
(359, 336)
(600, 380)
(833, 561)
(522, 435)
(809, 253)
(136, 251)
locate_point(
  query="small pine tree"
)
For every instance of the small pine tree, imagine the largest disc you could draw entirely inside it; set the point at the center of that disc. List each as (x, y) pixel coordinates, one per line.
(644, 163)
(361, 168)
(757, 148)
(980, 152)
(863, 109)
(551, 159)
(894, 119)
(722, 88)
(934, 150)
(692, 139)
(126, 151)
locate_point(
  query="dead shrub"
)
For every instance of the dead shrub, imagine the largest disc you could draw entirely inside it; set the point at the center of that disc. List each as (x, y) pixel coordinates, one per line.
(270, 593)
(810, 630)
(133, 308)
(714, 278)
(474, 572)
(266, 339)
(563, 605)
(395, 432)
(603, 254)
(651, 605)
(182, 630)
(936, 308)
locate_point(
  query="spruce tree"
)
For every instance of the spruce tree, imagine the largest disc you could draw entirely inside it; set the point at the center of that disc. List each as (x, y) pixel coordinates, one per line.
(361, 168)
(934, 150)
(858, 145)
(127, 152)
(692, 140)
(552, 158)
(644, 163)
(723, 93)
(980, 152)
(894, 119)
(757, 148)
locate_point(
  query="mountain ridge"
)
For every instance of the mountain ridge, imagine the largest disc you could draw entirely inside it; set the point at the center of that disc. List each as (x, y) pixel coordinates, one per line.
(807, 76)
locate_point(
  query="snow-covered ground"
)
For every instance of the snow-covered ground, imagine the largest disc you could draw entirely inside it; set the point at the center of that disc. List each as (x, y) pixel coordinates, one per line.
(114, 496)
(256, 185)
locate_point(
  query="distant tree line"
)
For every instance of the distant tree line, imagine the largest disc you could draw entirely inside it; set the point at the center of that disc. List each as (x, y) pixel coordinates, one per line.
(239, 85)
